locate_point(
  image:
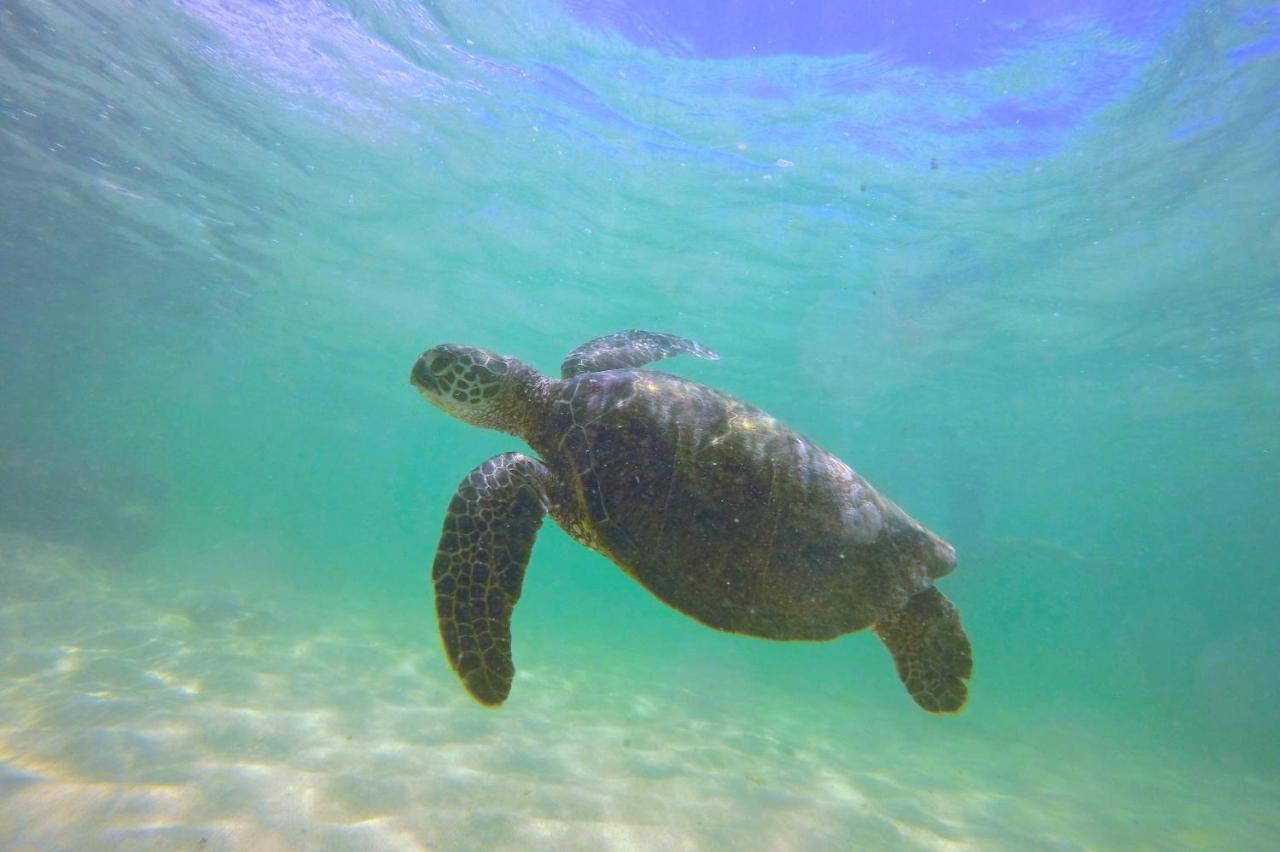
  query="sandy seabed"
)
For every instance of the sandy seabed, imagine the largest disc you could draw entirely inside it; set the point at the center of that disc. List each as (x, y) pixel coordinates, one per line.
(143, 715)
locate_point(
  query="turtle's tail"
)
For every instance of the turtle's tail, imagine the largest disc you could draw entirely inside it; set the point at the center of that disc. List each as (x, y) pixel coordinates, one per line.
(930, 649)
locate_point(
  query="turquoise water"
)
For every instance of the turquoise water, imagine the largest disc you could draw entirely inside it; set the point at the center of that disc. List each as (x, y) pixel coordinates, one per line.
(1033, 299)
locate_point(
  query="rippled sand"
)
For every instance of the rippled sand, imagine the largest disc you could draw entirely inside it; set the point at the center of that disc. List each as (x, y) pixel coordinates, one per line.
(139, 715)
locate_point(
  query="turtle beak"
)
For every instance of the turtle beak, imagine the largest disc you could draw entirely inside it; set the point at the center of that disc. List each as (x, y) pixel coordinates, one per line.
(420, 376)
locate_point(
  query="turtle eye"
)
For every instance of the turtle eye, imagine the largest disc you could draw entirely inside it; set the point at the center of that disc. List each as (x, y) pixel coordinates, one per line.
(423, 374)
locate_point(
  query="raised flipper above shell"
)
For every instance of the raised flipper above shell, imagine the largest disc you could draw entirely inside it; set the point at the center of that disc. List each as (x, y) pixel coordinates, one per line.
(633, 348)
(930, 649)
(479, 568)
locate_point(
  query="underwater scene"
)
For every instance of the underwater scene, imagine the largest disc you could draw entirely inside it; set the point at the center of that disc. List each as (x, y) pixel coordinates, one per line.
(1011, 266)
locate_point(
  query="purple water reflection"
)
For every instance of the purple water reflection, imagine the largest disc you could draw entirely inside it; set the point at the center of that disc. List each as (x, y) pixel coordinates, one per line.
(968, 81)
(942, 34)
(313, 51)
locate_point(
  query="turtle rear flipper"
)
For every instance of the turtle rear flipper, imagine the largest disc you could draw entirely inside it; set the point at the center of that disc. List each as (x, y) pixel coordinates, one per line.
(633, 348)
(930, 649)
(479, 568)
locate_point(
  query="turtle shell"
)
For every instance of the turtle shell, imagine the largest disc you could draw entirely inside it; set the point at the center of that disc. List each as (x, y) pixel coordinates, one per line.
(725, 513)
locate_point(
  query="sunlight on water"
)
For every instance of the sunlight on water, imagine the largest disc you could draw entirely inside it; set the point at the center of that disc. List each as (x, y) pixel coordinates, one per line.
(1019, 271)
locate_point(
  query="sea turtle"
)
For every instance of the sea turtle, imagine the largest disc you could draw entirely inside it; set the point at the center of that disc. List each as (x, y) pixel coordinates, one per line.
(717, 508)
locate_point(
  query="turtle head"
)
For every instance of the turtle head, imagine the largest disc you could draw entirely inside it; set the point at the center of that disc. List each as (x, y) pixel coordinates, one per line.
(476, 385)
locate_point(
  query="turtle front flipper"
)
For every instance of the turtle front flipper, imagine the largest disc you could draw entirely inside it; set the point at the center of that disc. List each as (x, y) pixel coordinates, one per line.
(930, 649)
(479, 568)
(633, 348)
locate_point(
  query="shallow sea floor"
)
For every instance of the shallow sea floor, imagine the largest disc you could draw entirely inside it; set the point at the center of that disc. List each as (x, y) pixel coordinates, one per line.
(139, 713)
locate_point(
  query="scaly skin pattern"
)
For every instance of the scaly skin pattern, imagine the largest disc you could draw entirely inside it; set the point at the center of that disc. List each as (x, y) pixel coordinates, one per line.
(723, 512)
(930, 650)
(479, 568)
(717, 508)
(632, 348)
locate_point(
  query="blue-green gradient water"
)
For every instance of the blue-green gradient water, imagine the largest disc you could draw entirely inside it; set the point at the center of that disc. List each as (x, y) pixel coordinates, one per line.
(1033, 297)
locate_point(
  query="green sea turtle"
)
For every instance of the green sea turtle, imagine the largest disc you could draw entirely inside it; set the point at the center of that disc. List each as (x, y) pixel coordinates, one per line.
(714, 506)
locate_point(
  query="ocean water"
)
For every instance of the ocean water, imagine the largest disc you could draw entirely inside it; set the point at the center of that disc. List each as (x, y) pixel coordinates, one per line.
(1017, 263)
